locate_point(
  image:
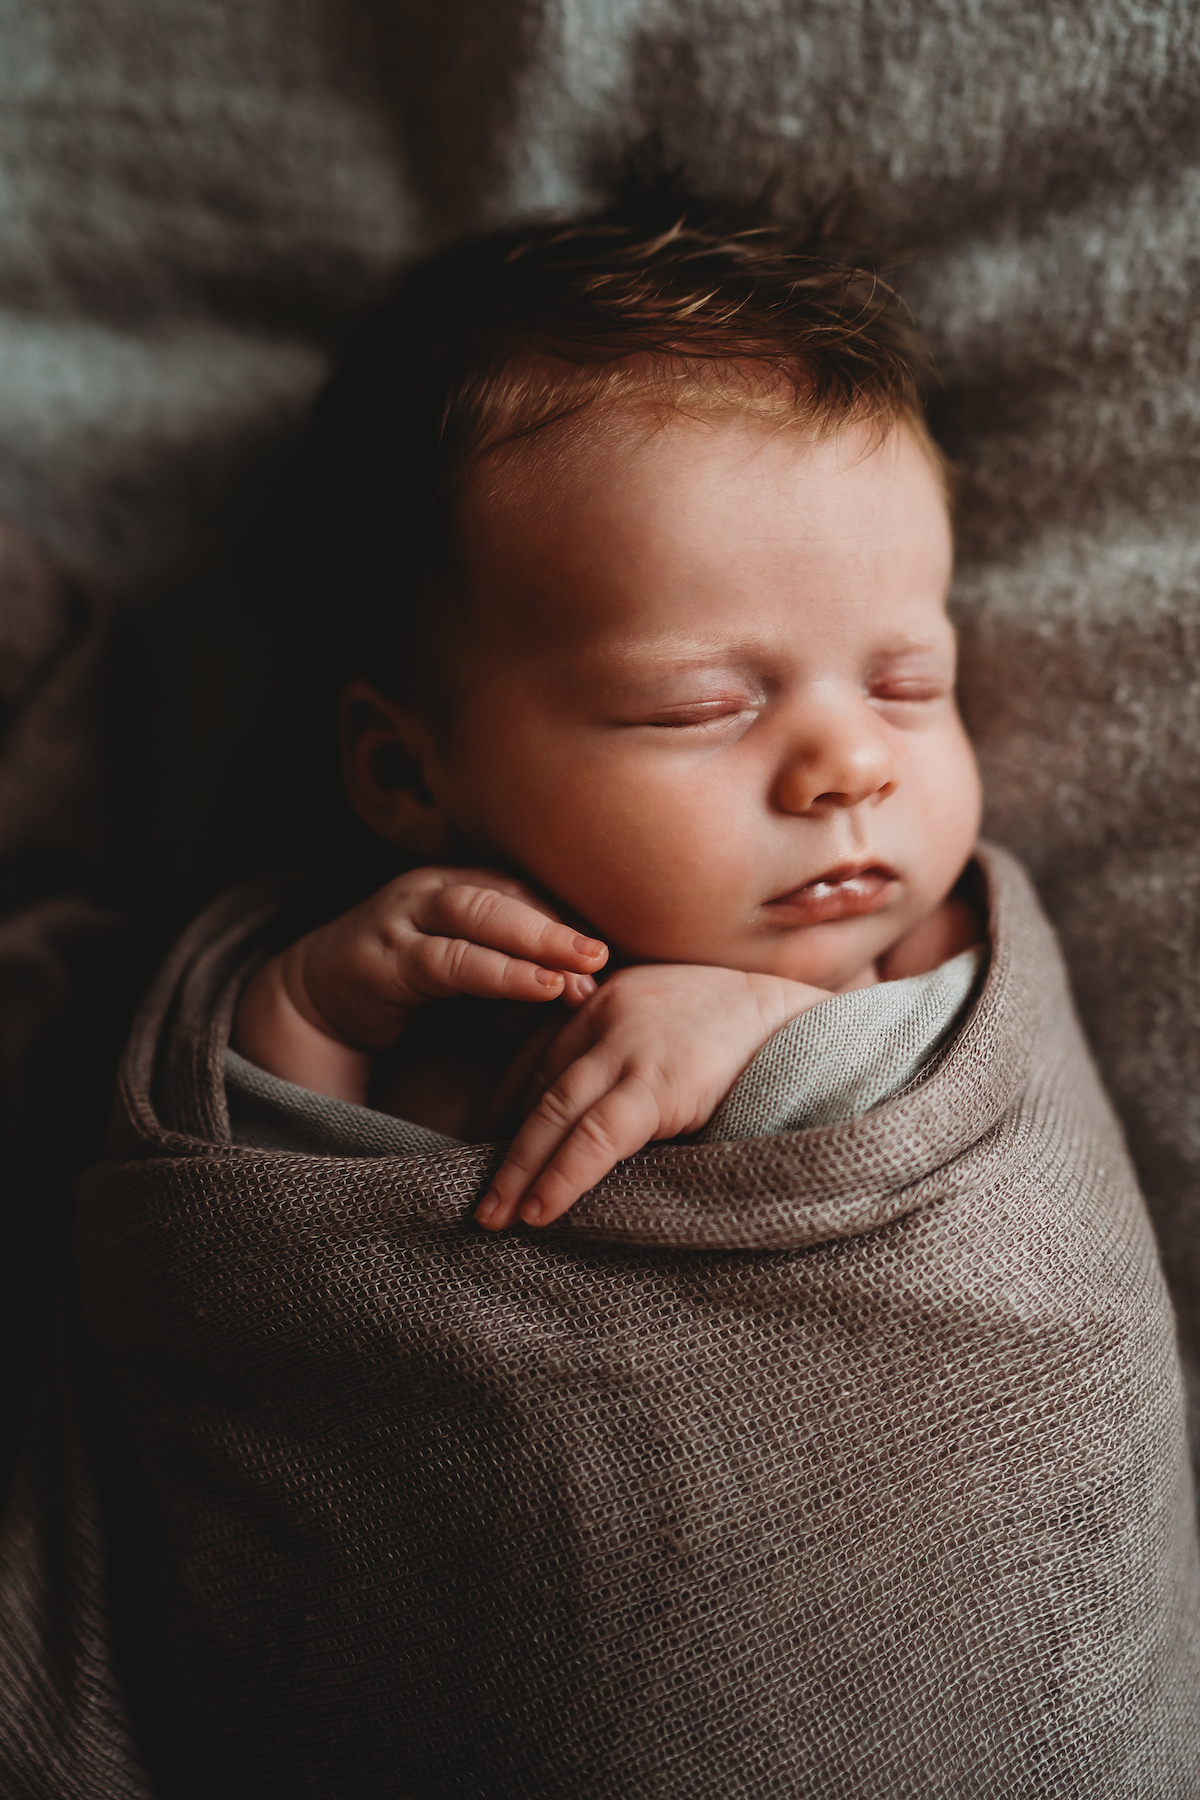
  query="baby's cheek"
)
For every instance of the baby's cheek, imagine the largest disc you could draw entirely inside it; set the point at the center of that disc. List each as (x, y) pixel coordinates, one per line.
(967, 785)
(647, 909)
(948, 814)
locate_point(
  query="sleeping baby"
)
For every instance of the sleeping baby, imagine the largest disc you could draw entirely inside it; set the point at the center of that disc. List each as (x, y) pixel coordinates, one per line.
(830, 1439)
(679, 749)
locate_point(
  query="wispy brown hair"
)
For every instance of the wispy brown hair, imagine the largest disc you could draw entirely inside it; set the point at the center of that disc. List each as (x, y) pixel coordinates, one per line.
(500, 338)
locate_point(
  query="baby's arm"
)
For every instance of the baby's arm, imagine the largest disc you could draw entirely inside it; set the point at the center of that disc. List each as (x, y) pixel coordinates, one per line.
(650, 1055)
(320, 1011)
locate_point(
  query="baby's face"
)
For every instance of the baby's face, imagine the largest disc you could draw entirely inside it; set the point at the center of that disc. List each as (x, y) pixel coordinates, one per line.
(706, 692)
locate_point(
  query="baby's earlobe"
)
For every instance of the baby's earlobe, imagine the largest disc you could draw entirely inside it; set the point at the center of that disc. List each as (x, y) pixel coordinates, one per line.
(393, 766)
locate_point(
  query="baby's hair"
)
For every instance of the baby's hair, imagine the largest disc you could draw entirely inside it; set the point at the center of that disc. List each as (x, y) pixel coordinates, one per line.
(502, 337)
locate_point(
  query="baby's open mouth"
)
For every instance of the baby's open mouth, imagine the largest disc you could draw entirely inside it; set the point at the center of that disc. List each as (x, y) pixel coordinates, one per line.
(841, 893)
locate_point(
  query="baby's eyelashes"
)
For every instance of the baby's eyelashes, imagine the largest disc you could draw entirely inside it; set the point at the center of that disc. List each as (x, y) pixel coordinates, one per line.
(919, 675)
(911, 690)
(724, 711)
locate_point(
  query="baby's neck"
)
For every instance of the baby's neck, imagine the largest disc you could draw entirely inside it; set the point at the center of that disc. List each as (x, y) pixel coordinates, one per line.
(950, 928)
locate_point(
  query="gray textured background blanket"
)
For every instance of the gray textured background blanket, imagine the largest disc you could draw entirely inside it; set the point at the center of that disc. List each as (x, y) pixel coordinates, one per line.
(200, 198)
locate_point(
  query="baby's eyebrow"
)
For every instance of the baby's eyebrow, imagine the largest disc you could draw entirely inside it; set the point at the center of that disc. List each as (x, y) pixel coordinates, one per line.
(924, 646)
(646, 663)
(688, 651)
(682, 656)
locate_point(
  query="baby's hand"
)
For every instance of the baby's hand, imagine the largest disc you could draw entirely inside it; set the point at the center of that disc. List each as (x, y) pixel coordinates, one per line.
(317, 1012)
(651, 1054)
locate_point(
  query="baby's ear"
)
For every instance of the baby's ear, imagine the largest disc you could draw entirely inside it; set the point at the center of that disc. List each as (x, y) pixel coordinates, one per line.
(389, 763)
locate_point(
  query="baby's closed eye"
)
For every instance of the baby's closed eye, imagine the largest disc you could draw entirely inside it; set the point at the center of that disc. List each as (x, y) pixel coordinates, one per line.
(691, 714)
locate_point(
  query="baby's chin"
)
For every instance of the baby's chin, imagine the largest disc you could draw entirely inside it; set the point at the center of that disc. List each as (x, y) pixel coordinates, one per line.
(855, 954)
(833, 968)
(836, 957)
(839, 978)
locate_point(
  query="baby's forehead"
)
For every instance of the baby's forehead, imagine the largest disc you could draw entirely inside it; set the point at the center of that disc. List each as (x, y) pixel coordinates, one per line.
(594, 440)
(518, 481)
(615, 477)
(705, 540)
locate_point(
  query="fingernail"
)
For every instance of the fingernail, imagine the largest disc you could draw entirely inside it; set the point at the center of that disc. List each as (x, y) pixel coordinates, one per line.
(588, 946)
(547, 977)
(531, 1212)
(488, 1206)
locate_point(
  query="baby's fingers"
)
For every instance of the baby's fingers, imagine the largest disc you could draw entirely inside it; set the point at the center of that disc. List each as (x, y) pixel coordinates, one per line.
(496, 921)
(568, 1144)
(587, 1079)
(577, 989)
(436, 967)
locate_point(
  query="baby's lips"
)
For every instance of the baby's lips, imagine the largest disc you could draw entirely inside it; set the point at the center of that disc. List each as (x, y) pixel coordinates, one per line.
(843, 893)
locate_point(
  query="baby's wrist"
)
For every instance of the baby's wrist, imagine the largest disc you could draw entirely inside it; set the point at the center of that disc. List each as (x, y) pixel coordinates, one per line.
(781, 1000)
(278, 1028)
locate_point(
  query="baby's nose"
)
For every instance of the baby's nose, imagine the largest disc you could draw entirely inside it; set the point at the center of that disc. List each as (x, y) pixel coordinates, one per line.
(844, 764)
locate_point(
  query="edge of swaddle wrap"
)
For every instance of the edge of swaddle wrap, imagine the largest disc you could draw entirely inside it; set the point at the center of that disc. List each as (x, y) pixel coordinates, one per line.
(784, 1191)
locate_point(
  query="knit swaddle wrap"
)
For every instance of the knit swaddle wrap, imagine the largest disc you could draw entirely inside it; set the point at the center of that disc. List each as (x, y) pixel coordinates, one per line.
(841, 1462)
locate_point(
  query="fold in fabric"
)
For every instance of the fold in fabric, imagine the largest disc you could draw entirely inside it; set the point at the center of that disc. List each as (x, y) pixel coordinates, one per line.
(848, 1055)
(268, 1113)
(838, 1461)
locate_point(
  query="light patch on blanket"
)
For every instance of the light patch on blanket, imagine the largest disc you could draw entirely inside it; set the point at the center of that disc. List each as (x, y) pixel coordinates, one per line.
(147, 411)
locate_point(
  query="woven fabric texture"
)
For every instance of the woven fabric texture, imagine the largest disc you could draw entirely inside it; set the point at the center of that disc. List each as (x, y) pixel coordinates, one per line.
(268, 1113)
(65, 1733)
(843, 1462)
(847, 1056)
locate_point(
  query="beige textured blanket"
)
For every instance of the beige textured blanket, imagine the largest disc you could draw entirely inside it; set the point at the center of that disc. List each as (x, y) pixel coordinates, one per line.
(846, 1462)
